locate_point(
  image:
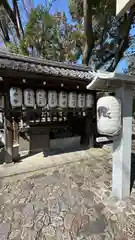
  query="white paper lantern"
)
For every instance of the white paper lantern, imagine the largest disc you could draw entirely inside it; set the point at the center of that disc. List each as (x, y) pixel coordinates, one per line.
(63, 99)
(41, 98)
(109, 115)
(29, 98)
(52, 99)
(81, 100)
(15, 97)
(89, 100)
(72, 100)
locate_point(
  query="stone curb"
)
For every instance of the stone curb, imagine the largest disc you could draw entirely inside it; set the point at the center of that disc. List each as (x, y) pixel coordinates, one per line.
(39, 162)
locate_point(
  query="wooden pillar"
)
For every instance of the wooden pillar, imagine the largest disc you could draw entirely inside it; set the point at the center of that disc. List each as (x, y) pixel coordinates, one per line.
(88, 138)
(8, 139)
(8, 127)
(16, 131)
(15, 139)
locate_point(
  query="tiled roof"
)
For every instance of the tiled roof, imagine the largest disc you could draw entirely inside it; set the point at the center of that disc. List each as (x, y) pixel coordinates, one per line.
(44, 67)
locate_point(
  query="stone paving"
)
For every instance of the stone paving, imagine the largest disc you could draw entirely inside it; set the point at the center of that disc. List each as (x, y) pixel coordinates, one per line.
(67, 202)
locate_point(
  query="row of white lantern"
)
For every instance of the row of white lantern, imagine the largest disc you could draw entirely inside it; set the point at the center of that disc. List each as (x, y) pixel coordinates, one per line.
(53, 99)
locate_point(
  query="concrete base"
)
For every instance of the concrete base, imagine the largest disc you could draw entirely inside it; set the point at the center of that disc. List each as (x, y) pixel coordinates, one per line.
(16, 151)
(65, 144)
(39, 139)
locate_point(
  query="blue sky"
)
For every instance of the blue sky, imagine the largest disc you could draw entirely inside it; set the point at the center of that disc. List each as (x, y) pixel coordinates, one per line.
(58, 5)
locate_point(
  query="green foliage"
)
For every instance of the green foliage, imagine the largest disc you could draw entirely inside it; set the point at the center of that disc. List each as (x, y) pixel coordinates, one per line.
(52, 37)
(44, 35)
(99, 8)
(76, 9)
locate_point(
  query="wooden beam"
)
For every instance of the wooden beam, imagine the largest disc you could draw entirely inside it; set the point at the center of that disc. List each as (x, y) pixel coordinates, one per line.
(16, 131)
(8, 140)
(38, 78)
(88, 138)
(8, 127)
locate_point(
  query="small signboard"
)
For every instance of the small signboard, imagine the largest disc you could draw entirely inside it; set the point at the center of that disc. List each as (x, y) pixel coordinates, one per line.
(104, 139)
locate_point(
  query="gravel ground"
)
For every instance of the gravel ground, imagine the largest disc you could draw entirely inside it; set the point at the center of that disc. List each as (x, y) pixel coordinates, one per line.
(66, 202)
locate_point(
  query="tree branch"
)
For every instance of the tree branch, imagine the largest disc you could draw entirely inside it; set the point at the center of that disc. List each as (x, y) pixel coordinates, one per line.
(17, 16)
(123, 44)
(11, 16)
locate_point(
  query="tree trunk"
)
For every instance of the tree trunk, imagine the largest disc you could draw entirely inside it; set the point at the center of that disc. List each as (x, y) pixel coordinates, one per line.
(88, 31)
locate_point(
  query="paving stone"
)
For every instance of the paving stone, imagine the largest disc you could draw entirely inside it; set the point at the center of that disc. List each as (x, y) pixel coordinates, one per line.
(68, 220)
(28, 234)
(59, 235)
(38, 223)
(41, 220)
(38, 205)
(46, 219)
(1, 217)
(88, 194)
(63, 235)
(8, 214)
(57, 191)
(15, 235)
(57, 221)
(95, 227)
(76, 225)
(17, 217)
(27, 185)
(75, 197)
(4, 231)
(63, 214)
(79, 180)
(52, 179)
(49, 232)
(31, 196)
(28, 211)
(54, 207)
(64, 203)
(114, 218)
(25, 194)
(22, 200)
(37, 176)
(28, 216)
(84, 221)
(98, 226)
(16, 224)
(41, 238)
(99, 207)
